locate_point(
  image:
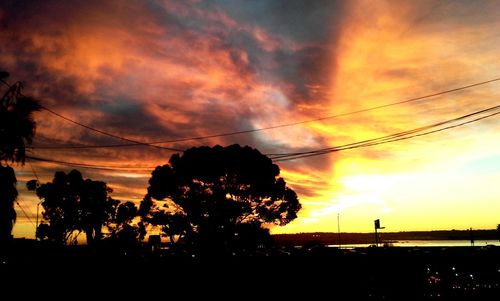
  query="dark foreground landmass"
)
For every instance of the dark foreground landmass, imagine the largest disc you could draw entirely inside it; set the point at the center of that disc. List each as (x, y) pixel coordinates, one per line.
(308, 273)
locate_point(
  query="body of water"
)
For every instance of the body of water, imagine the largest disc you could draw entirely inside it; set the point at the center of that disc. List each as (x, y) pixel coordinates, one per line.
(428, 243)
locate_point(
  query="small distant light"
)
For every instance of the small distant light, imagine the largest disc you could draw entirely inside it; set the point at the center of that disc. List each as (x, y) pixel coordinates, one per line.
(453, 268)
(4, 262)
(193, 256)
(456, 274)
(471, 276)
(437, 273)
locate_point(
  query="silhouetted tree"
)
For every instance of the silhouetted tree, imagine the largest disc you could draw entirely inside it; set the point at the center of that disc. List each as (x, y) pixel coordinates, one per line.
(219, 198)
(60, 200)
(96, 208)
(173, 222)
(124, 214)
(121, 226)
(17, 128)
(498, 231)
(71, 205)
(8, 195)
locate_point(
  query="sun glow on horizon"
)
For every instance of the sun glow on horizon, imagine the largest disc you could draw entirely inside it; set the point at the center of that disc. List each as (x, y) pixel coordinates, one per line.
(411, 185)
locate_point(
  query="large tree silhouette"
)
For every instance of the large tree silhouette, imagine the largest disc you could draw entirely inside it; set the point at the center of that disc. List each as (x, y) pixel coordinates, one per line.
(17, 128)
(71, 205)
(219, 198)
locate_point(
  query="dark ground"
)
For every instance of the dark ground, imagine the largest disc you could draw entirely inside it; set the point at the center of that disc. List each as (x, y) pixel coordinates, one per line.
(397, 273)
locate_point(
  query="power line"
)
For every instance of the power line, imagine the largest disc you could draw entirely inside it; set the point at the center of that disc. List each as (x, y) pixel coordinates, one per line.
(136, 142)
(257, 129)
(386, 139)
(92, 166)
(25, 214)
(33, 170)
(403, 133)
(286, 156)
(373, 142)
(278, 157)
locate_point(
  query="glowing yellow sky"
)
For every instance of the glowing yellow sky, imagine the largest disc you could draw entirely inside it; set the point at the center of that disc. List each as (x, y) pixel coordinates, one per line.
(380, 52)
(444, 181)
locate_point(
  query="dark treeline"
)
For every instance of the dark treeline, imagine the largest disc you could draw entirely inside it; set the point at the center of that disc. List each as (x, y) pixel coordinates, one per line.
(206, 200)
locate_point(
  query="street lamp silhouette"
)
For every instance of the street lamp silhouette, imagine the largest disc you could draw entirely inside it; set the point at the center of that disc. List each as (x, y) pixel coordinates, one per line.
(377, 226)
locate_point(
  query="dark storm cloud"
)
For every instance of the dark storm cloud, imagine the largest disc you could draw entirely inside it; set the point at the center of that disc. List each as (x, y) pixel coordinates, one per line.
(125, 113)
(285, 43)
(152, 70)
(298, 20)
(310, 28)
(307, 70)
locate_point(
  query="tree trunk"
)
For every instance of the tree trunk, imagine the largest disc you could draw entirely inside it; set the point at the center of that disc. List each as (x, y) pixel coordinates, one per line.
(89, 233)
(8, 195)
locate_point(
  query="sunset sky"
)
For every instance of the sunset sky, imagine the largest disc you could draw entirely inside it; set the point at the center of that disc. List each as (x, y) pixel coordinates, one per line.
(165, 70)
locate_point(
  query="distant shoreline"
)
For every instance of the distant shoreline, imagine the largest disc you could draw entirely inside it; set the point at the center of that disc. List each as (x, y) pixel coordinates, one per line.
(331, 238)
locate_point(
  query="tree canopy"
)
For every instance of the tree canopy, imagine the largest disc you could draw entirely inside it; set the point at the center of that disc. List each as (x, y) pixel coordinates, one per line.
(73, 204)
(121, 227)
(17, 125)
(220, 197)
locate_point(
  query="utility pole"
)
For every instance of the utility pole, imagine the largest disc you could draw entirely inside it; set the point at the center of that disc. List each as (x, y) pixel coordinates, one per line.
(471, 237)
(36, 228)
(338, 228)
(36, 225)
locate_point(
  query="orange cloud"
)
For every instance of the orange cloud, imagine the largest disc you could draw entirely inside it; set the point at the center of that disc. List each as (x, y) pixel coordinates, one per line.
(167, 70)
(153, 71)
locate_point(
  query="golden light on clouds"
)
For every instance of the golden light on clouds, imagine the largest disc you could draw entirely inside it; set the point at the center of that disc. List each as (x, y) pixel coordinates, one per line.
(432, 182)
(166, 70)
